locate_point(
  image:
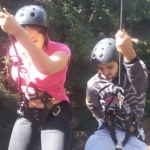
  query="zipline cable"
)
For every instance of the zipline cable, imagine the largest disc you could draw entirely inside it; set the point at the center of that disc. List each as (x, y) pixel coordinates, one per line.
(119, 89)
(120, 56)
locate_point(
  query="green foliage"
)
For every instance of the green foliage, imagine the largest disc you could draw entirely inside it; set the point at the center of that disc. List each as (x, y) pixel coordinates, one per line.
(143, 51)
(6, 85)
(8, 101)
(7, 121)
(6, 82)
(147, 108)
(86, 120)
(73, 140)
(8, 107)
(79, 40)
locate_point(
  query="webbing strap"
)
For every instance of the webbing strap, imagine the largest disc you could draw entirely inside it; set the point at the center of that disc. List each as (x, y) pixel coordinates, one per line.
(130, 121)
(111, 129)
(132, 131)
(48, 107)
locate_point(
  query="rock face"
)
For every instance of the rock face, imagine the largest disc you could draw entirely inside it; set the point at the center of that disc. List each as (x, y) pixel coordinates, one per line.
(82, 136)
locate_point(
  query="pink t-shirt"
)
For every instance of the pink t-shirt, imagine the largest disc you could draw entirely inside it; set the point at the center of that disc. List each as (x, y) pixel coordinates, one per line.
(53, 84)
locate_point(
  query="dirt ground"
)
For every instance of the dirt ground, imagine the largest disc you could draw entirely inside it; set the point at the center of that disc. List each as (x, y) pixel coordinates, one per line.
(82, 136)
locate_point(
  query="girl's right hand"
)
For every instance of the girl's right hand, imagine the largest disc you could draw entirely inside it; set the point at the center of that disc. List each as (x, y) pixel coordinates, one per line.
(8, 23)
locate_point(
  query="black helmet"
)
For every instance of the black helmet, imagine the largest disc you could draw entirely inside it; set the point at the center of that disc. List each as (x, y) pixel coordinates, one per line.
(105, 51)
(32, 15)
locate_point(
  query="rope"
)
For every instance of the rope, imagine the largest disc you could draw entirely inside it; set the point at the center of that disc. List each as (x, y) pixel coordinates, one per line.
(120, 56)
(19, 62)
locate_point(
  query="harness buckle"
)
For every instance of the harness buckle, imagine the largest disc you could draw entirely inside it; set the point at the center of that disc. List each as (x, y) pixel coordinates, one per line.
(56, 111)
(119, 92)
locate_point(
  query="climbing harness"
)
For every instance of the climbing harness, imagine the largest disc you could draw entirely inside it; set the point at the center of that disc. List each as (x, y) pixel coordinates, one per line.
(39, 116)
(114, 118)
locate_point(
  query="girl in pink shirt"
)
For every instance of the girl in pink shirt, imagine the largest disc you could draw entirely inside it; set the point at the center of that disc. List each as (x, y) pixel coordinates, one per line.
(40, 66)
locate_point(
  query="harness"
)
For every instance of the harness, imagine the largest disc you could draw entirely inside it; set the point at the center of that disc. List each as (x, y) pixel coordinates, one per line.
(118, 116)
(39, 116)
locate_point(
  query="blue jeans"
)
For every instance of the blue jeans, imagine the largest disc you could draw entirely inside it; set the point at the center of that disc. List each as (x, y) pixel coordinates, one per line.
(101, 140)
(54, 135)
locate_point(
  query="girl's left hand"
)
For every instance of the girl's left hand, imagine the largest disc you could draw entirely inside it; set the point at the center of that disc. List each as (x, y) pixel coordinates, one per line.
(8, 23)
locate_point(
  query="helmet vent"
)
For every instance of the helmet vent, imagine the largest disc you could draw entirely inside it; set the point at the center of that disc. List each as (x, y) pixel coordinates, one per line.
(95, 49)
(101, 55)
(94, 56)
(21, 15)
(104, 51)
(32, 14)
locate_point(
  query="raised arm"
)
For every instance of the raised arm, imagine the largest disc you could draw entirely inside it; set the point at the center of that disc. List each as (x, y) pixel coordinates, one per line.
(136, 69)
